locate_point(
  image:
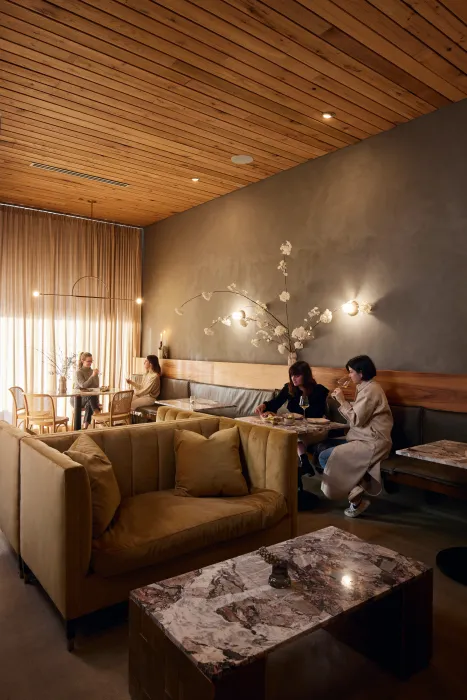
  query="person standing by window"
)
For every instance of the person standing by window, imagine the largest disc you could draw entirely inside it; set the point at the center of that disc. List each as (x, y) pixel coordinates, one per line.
(87, 378)
(147, 391)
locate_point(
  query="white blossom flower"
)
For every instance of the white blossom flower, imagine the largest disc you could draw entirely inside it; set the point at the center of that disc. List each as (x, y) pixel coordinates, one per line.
(245, 292)
(299, 333)
(206, 295)
(179, 312)
(255, 342)
(364, 307)
(326, 316)
(261, 324)
(283, 268)
(262, 304)
(280, 330)
(208, 331)
(262, 334)
(232, 287)
(227, 321)
(286, 248)
(314, 312)
(298, 345)
(284, 296)
(243, 322)
(282, 349)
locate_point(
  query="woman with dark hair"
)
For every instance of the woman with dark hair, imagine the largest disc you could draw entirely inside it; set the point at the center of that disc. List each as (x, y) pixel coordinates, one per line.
(301, 383)
(352, 464)
(147, 391)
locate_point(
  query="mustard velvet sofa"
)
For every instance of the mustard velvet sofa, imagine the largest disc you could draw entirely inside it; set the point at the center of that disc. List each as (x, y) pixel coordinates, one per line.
(10, 438)
(155, 534)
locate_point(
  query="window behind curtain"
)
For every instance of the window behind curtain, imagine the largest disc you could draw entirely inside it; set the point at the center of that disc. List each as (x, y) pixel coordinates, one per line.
(49, 252)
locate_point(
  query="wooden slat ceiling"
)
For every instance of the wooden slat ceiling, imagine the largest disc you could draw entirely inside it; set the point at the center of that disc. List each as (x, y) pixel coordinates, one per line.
(155, 93)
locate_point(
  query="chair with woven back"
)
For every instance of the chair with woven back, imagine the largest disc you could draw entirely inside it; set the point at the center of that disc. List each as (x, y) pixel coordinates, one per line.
(19, 409)
(40, 412)
(119, 412)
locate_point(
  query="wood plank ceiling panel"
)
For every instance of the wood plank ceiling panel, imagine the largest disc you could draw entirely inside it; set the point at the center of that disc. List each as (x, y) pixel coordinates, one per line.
(154, 93)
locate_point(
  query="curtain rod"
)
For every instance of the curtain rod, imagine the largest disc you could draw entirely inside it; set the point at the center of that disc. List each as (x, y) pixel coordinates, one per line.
(72, 216)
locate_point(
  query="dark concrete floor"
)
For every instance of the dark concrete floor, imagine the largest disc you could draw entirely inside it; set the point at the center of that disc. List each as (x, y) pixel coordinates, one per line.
(34, 662)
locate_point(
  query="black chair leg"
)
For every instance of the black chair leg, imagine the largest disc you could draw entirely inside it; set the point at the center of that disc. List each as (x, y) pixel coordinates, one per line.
(70, 630)
(20, 567)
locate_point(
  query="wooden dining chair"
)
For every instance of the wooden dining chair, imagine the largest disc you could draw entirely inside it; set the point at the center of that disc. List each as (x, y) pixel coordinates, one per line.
(40, 412)
(118, 413)
(19, 409)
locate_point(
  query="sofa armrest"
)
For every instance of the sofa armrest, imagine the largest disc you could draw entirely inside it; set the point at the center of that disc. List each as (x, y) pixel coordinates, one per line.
(271, 460)
(56, 521)
(10, 439)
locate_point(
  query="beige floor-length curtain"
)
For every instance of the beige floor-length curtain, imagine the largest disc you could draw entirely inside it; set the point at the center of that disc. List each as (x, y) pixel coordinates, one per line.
(49, 253)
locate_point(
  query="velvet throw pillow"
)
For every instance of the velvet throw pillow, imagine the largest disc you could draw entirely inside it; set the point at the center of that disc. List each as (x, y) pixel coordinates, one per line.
(208, 466)
(105, 493)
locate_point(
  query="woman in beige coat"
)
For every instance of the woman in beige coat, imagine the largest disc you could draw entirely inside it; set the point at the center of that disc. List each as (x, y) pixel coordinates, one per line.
(352, 465)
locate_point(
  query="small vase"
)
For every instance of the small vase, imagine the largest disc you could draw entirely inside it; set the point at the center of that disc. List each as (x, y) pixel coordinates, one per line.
(62, 385)
(279, 577)
(292, 358)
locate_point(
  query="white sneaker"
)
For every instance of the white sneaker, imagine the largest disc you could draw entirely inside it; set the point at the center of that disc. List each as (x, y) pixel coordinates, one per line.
(354, 511)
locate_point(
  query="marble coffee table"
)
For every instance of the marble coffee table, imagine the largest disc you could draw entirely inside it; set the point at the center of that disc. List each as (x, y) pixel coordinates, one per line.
(208, 633)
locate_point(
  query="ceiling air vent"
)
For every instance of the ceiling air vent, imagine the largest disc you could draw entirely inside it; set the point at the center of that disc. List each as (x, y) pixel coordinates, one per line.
(64, 171)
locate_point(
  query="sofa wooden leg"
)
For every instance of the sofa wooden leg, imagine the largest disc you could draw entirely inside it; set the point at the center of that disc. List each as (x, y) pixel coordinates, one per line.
(28, 576)
(70, 630)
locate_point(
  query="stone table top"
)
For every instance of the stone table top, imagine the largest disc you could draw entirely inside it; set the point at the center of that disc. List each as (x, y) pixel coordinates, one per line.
(227, 615)
(449, 452)
(300, 427)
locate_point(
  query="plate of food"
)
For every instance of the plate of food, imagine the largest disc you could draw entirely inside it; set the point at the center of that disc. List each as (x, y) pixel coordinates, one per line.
(318, 421)
(105, 388)
(271, 418)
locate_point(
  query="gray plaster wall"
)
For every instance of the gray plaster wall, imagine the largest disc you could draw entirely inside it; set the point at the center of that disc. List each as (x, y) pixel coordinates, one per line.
(384, 220)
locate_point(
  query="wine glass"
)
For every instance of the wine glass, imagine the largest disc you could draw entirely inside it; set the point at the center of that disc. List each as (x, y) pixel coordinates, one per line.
(343, 383)
(304, 403)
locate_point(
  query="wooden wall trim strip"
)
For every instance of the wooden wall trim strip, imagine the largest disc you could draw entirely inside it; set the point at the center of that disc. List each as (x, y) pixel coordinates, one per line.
(444, 392)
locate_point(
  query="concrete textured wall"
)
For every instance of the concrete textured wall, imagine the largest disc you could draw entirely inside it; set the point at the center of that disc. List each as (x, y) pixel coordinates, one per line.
(384, 220)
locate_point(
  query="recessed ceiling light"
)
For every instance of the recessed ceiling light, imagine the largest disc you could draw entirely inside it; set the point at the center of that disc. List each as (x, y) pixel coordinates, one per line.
(242, 160)
(328, 115)
(195, 179)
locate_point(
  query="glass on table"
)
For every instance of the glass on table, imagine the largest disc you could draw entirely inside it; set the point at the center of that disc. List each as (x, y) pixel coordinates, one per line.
(192, 401)
(304, 403)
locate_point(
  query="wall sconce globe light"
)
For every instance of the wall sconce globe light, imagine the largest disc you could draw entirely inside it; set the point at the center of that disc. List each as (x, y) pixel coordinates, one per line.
(350, 308)
(239, 315)
(139, 300)
(36, 293)
(353, 307)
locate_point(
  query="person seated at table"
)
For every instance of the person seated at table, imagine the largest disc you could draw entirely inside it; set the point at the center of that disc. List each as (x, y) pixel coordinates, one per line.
(87, 378)
(147, 391)
(352, 464)
(301, 383)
